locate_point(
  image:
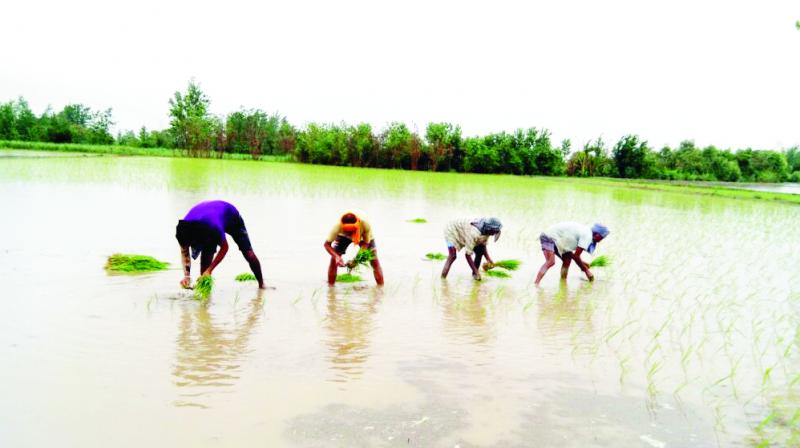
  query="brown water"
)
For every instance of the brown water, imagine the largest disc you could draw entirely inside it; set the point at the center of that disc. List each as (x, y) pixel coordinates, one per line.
(690, 338)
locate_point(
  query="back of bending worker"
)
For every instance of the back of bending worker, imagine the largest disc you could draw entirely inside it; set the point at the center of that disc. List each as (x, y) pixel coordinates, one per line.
(567, 240)
(471, 235)
(203, 229)
(351, 229)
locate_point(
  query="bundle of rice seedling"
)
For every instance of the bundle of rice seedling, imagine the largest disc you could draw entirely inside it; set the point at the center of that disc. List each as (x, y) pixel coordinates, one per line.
(418, 220)
(245, 277)
(509, 265)
(362, 258)
(348, 278)
(203, 287)
(435, 256)
(128, 263)
(600, 262)
(498, 274)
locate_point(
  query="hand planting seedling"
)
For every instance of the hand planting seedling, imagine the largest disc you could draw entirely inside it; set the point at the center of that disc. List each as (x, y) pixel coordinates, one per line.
(348, 278)
(362, 258)
(600, 262)
(509, 265)
(203, 287)
(435, 256)
(131, 264)
(245, 277)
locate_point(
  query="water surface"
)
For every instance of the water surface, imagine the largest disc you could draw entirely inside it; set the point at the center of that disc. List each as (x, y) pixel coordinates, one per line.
(690, 338)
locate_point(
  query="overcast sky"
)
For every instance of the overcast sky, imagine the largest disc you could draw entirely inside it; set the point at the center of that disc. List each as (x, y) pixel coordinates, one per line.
(718, 72)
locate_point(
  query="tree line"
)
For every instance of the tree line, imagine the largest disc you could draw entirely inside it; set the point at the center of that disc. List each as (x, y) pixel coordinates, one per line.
(440, 147)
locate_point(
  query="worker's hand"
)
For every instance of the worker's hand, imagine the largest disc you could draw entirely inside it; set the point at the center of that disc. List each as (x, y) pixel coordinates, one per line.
(589, 276)
(487, 265)
(476, 276)
(207, 271)
(340, 262)
(186, 282)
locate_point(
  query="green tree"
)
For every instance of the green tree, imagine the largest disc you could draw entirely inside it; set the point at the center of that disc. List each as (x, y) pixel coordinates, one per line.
(191, 123)
(444, 140)
(632, 157)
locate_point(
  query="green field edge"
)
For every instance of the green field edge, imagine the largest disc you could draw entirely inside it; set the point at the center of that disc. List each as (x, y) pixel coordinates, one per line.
(642, 184)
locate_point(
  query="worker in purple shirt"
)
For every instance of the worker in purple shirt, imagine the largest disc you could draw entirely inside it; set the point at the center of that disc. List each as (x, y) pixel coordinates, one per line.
(203, 229)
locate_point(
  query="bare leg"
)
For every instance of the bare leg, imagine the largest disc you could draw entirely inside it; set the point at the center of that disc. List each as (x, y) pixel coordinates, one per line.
(376, 268)
(549, 261)
(255, 266)
(451, 257)
(480, 251)
(332, 268)
(566, 259)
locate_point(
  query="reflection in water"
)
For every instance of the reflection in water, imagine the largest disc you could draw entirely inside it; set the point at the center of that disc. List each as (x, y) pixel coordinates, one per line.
(567, 311)
(349, 324)
(209, 353)
(466, 315)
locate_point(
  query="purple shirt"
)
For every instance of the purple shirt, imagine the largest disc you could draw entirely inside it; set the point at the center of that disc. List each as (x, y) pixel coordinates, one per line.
(219, 215)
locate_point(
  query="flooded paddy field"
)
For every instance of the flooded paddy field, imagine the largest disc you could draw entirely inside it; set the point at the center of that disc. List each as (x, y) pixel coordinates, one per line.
(691, 337)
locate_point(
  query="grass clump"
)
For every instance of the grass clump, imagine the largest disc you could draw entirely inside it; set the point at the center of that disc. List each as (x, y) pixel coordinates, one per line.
(245, 277)
(348, 278)
(435, 256)
(418, 220)
(498, 274)
(600, 262)
(203, 287)
(127, 263)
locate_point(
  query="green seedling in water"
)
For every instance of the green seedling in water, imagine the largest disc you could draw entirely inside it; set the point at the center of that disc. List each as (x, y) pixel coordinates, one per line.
(498, 274)
(600, 262)
(203, 287)
(245, 277)
(435, 256)
(362, 258)
(131, 264)
(509, 265)
(348, 278)
(418, 220)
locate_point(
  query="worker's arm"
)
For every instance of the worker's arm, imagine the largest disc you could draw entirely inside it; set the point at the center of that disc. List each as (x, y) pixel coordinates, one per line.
(186, 260)
(581, 264)
(336, 256)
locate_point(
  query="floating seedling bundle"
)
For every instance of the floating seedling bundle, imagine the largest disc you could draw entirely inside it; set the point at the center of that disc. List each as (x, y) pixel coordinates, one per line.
(498, 274)
(435, 256)
(418, 220)
(245, 277)
(348, 278)
(131, 264)
(600, 262)
(203, 287)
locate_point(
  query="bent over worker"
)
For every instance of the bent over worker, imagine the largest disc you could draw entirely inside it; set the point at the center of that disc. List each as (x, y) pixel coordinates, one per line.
(351, 228)
(567, 240)
(203, 229)
(472, 235)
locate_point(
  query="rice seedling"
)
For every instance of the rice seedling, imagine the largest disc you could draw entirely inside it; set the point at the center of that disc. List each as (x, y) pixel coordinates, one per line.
(203, 287)
(600, 262)
(245, 277)
(418, 220)
(362, 258)
(435, 256)
(348, 278)
(131, 264)
(509, 265)
(498, 274)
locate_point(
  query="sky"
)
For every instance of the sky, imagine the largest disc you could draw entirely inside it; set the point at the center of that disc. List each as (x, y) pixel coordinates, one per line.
(717, 72)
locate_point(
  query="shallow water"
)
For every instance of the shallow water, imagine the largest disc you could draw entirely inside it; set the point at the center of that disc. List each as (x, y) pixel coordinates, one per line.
(690, 338)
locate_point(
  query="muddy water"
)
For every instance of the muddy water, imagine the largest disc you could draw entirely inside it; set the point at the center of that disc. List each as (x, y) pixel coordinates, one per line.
(690, 338)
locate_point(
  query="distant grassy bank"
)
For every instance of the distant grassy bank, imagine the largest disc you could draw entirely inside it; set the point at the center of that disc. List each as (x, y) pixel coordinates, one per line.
(129, 151)
(685, 187)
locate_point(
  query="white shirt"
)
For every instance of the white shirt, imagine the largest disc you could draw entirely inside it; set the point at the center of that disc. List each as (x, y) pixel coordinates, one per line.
(570, 236)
